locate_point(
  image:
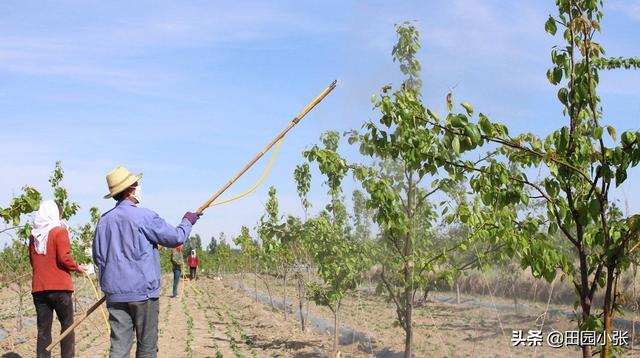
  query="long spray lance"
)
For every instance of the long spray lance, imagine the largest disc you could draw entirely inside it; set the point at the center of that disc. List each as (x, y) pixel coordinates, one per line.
(215, 196)
(295, 121)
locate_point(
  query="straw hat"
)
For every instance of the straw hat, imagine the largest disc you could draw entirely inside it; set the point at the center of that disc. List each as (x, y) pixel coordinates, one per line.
(119, 179)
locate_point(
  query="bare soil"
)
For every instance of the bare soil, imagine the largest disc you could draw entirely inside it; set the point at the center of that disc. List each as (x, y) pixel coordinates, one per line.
(208, 319)
(478, 327)
(217, 318)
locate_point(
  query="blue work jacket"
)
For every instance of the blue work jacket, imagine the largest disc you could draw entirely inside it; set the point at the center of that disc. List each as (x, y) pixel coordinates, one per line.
(125, 251)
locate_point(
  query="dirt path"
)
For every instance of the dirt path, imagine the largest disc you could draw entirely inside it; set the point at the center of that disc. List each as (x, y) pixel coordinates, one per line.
(224, 323)
(209, 319)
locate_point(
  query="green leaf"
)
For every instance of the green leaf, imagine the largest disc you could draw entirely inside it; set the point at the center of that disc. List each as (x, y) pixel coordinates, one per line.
(456, 121)
(621, 176)
(433, 115)
(467, 108)
(628, 138)
(537, 144)
(551, 187)
(554, 75)
(563, 95)
(550, 26)
(449, 101)
(485, 125)
(456, 144)
(557, 75)
(612, 132)
(33, 204)
(550, 76)
(594, 208)
(597, 132)
(475, 134)
(633, 223)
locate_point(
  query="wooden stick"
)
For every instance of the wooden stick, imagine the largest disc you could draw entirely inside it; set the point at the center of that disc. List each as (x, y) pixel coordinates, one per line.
(75, 297)
(271, 144)
(76, 323)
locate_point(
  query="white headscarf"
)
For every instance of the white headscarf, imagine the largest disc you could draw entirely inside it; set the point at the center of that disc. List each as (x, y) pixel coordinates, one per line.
(47, 218)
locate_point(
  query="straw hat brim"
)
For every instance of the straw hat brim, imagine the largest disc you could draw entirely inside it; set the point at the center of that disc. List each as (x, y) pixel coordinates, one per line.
(127, 182)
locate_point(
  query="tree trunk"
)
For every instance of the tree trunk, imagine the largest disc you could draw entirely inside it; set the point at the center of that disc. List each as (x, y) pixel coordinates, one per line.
(266, 282)
(255, 282)
(242, 278)
(284, 303)
(585, 300)
(408, 319)
(335, 330)
(308, 280)
(457, 291)
(301, 299)
(408, 271)
(635, 304)
(515, 295)
(425, 294)
(20, 303)
(609, 305)
(408, 298)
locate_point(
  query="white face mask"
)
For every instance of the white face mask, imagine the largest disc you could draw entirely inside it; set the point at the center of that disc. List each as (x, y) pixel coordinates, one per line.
(137, 193)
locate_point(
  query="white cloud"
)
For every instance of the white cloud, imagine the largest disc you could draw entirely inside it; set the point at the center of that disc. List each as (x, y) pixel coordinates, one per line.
(130, 52)
(630, 8)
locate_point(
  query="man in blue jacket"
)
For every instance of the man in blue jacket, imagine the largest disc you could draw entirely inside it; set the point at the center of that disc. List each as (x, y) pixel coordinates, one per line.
(125, 251)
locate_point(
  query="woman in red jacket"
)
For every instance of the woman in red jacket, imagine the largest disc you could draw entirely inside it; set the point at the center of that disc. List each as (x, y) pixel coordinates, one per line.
(51, 285)
(192, 261)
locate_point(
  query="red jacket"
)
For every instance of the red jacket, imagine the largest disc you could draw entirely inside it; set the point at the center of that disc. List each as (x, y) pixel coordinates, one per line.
(192, 261)
(51, 271)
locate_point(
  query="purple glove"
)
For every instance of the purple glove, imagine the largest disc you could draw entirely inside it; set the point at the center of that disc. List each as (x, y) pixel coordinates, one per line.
(192, 217)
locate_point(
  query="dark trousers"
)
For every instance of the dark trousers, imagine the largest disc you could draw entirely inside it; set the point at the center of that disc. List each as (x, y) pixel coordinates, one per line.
(192, 272)
(176, 280)
(46, 302)
(127, 317)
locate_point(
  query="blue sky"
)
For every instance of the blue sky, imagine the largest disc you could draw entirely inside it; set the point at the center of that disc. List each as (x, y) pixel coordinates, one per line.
(187, 92)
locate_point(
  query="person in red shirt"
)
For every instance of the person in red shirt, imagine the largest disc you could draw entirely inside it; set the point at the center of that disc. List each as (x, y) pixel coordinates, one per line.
(51, 285)
(192, 261)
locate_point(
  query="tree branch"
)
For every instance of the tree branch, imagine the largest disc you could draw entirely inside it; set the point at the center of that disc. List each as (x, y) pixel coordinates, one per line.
(11, 228)
(594, 283)
(399, 308)
(426, 195)
(523, 181)
(512, 144)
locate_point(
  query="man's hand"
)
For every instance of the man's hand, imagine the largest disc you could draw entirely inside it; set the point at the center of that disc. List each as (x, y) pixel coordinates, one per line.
(81, 268)
(192, 217)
